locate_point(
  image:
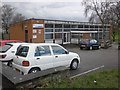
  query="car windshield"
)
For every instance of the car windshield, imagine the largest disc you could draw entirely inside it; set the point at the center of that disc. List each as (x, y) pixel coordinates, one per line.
(22, 51)
(5, 48)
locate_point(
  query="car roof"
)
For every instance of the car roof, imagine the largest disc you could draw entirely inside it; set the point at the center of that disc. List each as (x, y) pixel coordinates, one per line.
(15, 43)
(9, 40)
(37, 44)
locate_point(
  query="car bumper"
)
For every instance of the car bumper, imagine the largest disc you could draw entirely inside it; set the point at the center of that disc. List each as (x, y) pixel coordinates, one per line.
(21, 69)
(4, 60)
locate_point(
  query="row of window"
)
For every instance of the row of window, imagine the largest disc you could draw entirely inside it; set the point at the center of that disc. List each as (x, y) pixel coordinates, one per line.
(45, 50)
(50, 36)
(59, 35)
(73, 26)
(41, 51)
(68, 30)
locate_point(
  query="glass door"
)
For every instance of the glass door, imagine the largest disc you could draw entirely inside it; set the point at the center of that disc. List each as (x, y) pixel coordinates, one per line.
(66, 37)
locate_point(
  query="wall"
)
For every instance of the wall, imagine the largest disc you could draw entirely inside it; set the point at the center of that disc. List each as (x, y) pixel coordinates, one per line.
(39, 31)
(17, 31)
(86, 36)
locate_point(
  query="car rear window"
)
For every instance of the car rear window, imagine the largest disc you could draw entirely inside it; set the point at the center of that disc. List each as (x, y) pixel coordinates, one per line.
(84, 41)
(22, 51)
(93, 41)
(5, 48)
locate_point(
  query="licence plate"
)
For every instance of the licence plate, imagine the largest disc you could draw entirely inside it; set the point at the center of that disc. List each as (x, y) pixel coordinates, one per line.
(83, 45)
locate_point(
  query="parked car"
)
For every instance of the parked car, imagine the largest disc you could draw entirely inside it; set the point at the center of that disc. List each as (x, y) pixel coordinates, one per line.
(3, 42)
(31, 58)
(7, 52)
(89, 44)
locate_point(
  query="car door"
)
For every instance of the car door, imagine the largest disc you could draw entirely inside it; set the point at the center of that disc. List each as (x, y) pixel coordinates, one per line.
(61, 56)
(43, 57)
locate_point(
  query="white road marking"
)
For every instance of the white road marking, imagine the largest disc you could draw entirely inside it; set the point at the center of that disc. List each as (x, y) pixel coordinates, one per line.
(87, 72)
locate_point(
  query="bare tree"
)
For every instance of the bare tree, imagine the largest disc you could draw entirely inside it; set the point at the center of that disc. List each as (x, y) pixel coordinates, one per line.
(17, 18)
(7, 14)
(99, 12)
(113, 17)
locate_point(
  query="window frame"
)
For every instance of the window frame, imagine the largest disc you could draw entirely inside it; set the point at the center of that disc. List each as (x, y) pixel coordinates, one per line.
(38, 48)
(10, 46)
(18, 50)
(59, 47)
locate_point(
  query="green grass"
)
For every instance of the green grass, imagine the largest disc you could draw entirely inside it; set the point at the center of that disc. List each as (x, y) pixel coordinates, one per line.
(104, 79)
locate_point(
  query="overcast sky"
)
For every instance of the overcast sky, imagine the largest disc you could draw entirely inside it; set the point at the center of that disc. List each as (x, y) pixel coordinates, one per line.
(51, 10)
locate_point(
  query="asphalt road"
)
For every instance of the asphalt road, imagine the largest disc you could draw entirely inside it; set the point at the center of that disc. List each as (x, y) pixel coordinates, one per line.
(91, 59)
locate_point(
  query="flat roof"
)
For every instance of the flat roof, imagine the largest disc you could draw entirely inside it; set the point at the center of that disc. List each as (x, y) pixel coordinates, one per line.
(62, 21)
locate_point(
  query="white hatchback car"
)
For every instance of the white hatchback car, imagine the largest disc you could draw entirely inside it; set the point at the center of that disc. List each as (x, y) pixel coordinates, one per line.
(31, 58)
(7, 52)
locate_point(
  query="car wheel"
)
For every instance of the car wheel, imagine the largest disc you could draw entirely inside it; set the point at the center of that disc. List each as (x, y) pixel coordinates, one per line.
(74, 65)
(81, 48)
(9, 63)
(34, 70)
(88, 48)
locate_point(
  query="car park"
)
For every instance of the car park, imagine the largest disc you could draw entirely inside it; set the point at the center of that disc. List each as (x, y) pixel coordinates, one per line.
(7, 52)
(89, 44)
(31, 58)
(3, 42)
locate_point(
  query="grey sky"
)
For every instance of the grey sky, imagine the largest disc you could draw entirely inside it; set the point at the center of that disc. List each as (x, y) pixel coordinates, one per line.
(51, 10)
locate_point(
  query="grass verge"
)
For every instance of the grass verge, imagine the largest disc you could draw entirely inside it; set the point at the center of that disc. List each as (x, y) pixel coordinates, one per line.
(102, 79)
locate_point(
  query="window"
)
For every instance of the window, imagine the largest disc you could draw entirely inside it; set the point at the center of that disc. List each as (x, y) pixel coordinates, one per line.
(42, 51)
(58, 50)
(96, 26)
(66, 30)
(66, 26)
(58, 35)
(58, 30)
(58, 25)
(74, 26)
(48, 30)
(49, 36)
(75, 35)
(22, 51)
(5, 48)
(80, 26)
(91, 26)
(86, 26)
(48, 25)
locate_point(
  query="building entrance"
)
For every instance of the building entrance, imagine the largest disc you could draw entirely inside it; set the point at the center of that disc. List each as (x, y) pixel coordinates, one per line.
(66, 38)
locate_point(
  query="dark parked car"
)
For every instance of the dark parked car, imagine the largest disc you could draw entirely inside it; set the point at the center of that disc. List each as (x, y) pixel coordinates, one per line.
(89, 44)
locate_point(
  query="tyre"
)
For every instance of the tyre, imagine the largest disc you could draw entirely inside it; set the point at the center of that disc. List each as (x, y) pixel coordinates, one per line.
(9, 63)
(74, 65)
(88, 48)
(81, 48)
(34, 70)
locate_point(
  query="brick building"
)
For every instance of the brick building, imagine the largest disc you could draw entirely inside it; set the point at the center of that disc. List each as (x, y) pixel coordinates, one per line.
(58, 31)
